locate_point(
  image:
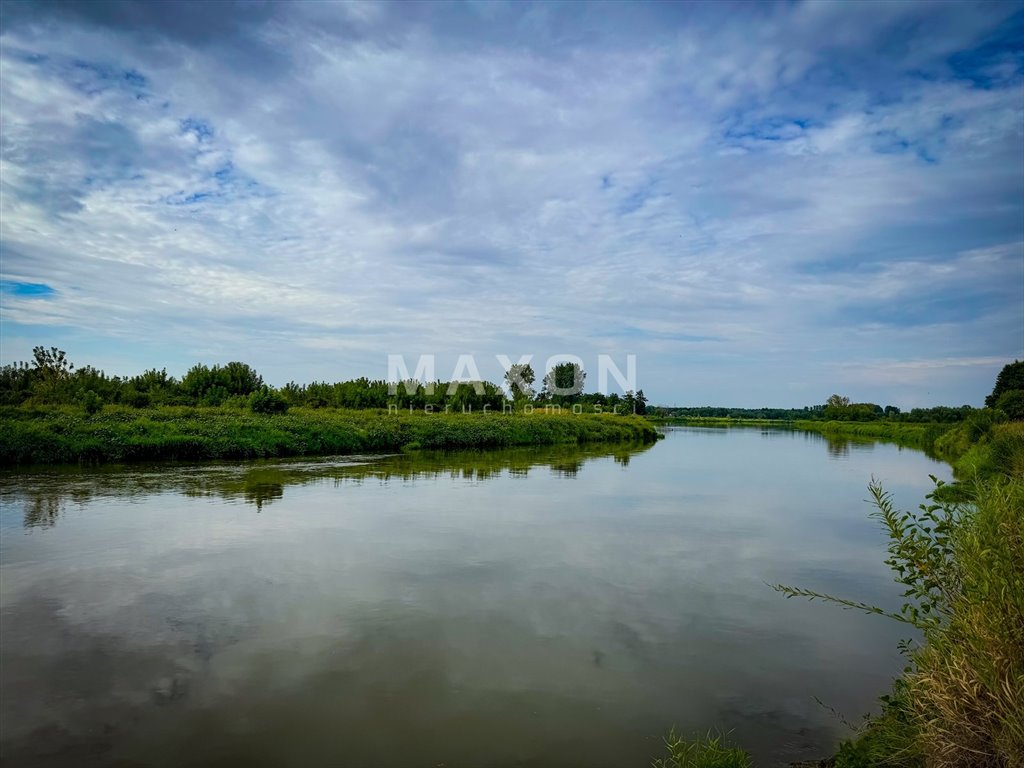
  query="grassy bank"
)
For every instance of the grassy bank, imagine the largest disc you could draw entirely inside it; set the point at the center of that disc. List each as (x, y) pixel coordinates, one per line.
(961, 701)
(55, 435)
(917, 435)
(960, 557)
(717, 421)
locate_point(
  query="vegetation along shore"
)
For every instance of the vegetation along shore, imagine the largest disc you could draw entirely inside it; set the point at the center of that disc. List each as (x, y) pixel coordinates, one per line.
(52, 412)
(960, 558)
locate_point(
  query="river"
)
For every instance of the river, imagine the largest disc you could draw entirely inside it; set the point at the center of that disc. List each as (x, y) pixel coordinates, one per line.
(529, 607)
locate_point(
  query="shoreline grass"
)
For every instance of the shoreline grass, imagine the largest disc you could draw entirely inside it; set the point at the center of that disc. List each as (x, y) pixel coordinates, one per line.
(65, 435)
(916, 435)
(922, 435)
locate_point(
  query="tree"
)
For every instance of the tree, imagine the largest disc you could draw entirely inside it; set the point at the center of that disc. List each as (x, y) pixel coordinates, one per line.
(51, 373)
(837, 401)
(1009, 379)
(240, 378)
(564, 379)
(212, 386)
(640, 402)
(519, 378)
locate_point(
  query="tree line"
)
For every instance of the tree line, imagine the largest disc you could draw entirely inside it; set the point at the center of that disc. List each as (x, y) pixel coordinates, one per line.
(50, 378)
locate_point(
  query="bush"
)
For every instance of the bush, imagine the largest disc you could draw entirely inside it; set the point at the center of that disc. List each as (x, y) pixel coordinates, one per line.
(91, 402)
(267, 400)
(1012, 404)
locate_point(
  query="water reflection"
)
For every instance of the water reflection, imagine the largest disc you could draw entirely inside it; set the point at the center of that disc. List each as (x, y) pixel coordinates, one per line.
(530, 607)
(46, 494)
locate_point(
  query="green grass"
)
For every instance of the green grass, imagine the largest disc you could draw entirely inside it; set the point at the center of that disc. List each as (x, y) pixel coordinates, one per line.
(998, 452)
(709, 751)
(58, 435)
(921, 436)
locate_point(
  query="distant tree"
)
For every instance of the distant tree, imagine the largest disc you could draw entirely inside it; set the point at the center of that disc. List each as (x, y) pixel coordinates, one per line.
(240, 379)
(16, 383)
(519, 378)
(564, 380)
(212, 386)
(1009, 379)
(837, 401)
(52, 361)
(640, 402)
(51, 374)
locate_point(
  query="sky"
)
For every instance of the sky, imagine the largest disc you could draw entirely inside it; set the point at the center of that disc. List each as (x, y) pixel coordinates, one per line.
(764, 203)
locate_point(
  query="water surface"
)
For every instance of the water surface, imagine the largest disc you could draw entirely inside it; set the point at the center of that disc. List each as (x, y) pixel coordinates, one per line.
(530, 607)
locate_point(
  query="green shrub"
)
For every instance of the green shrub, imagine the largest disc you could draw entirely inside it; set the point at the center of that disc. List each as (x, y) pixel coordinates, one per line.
(1012, 404)
(91, 403)
(266, 400)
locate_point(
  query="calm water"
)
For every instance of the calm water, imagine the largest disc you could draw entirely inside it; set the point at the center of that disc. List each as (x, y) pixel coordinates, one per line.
(542, 607)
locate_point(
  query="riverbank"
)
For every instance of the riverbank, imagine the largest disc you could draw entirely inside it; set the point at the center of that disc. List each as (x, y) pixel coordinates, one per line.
(923, 435)
(960, 556)
(62, 435)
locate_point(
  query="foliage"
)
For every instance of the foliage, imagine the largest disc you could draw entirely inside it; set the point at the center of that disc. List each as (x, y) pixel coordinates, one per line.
(91, 403)
(922, 436)
(1012, 404)
(564, 381)
(710, 751)
(635, 403)
(962, 566)
(839, 408)
(212, 386)
(266, 400)
(62, 434)
(1009, 379)
(52, 380)
(891, 739)
(968, 686)
(837, 401)
(920, 555)
(863, 412)
(519, 378)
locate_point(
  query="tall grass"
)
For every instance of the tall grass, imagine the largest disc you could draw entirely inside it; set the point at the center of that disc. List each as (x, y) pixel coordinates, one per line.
(709, 751)
(961, 702)
(59, 434)
(993, 453)
(967, 693)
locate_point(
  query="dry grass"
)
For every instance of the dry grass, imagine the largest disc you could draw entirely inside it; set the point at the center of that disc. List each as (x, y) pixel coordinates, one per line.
(967, 691)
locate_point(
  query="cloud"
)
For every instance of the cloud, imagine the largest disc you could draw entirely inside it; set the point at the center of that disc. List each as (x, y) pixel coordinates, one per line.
(785, 189)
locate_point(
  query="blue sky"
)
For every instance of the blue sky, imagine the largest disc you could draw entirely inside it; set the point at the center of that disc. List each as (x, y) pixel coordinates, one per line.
(765, 203)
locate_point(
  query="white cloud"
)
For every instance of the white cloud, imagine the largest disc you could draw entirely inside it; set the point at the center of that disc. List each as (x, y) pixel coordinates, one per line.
(746, 195)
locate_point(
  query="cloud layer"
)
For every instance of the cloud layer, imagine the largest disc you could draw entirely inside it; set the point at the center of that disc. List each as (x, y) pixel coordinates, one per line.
(765, 204)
